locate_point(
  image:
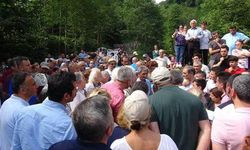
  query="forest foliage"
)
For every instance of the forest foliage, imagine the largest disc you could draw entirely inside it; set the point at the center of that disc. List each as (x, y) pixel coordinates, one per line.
(36, 27)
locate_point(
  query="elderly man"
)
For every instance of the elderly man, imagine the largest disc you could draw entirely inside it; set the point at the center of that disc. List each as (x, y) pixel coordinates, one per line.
(193, 36)
(232, 37)
(40, 126)
(178, 113)
(125, 77)
(93, 122)
(162, 60)
(24, 87)
(230, 128)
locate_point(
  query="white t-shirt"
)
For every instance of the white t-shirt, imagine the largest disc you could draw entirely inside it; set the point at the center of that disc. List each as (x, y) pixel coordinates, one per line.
(166, 143)
(162, 62)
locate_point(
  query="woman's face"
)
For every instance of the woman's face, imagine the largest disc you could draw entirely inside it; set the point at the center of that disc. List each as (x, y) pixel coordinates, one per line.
(215, 99)
(238, 45)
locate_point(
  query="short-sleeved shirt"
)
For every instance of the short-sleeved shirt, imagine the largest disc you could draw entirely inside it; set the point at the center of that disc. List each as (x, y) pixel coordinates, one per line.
(39, 126)
(231, 39)
(162, 62)
(8, 115)
(205, 39)
(231, 128)
(117, 96)
(212, 44)
(178, 114)
(225, 63)
(166, 143)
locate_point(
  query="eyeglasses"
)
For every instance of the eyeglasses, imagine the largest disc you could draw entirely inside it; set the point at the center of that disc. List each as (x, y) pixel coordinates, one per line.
(113, 64)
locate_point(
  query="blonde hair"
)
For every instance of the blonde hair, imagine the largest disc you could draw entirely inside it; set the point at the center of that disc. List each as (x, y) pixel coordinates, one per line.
(100, 91)
(121, 119)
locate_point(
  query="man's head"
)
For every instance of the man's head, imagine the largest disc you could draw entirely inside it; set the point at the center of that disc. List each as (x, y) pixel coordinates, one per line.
(93, 119)
(134, 60)
(125, 76)
(229, 84)
(204, 25)
(24, 85)
(197, 65)
(213, 73)
(233, 61)
(61, 87)
(241, 88)
(95, 76)
(232, 30)
(161, 76)
(215, 35)
(22, 64)
(224, 51)
(200, 75)
(188, 73)
(125, 61)
(142, 72)
(199, 84)
(221, 80)
(193, 23)
(161, 53)
(197, 57)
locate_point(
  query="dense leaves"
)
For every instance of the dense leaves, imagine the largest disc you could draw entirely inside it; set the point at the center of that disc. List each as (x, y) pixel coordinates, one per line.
(36, 27)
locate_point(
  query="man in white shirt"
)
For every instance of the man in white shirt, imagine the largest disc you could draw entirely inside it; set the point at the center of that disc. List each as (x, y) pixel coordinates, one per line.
(204, 42)
(162, 60)
(193, 36)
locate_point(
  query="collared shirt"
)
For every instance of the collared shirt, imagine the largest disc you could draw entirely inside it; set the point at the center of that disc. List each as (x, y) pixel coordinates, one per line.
(8, 115)
(194, 33)
(231, 39)
(230, 128)
(39, 126)
(117, 96)
(205, 39)
(224, 98)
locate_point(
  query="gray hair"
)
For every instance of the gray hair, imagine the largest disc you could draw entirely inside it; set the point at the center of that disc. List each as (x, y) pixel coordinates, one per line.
(93, 73)
(125, 73)
(176, 77)
(190, 69)
(142, 68)
(92, 117)
(241, 85)
(79, 76)
(105, 73)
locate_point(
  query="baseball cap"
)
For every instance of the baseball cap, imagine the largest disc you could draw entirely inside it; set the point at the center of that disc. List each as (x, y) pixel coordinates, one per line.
(136, 107)
(44, 65)
(160, 74)
(145, 55)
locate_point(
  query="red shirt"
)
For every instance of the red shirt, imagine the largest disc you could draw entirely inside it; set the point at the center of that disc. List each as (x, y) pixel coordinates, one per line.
(238, 70)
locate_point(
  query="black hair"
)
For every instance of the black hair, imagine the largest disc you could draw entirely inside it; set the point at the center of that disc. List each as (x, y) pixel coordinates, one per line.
(223, 77)
(135, 125)
(201, 82)
(59, 84)
(233, 58)
(140, 85)
(17, 80)
(231, 79)
(201, 72)
(224, 46)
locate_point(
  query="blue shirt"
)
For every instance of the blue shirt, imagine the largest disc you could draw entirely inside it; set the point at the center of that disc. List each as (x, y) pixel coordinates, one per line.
(39, 126)
(8, 113)
(231, 39)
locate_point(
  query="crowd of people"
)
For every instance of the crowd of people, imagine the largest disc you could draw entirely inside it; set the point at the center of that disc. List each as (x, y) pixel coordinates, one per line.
(197, 99)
